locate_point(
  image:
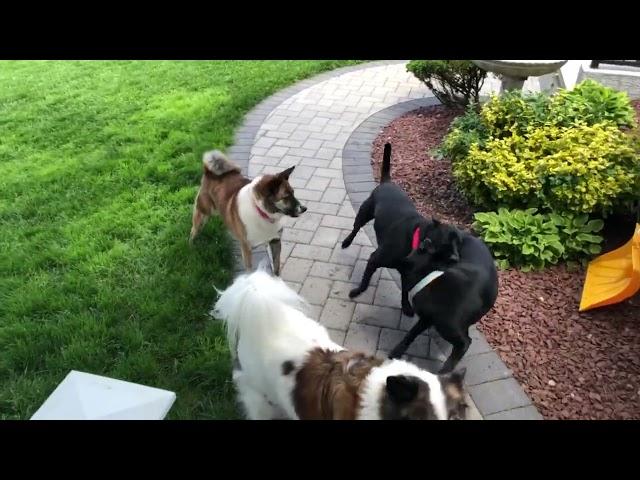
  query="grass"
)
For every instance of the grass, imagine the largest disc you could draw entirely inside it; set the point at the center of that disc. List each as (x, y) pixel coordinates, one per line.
(99, 165)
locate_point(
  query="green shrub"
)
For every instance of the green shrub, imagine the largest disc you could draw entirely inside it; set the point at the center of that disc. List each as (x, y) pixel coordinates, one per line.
(453, 82)
(577, 235)
(513, 112)
(531, 240)
(580, 169)
(591, 103)
(464, 131)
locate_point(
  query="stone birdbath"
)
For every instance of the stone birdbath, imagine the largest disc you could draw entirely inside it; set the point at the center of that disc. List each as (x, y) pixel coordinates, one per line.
(515, 72)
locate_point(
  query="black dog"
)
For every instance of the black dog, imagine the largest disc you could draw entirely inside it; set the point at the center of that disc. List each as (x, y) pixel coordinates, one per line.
(399, 229)
(463, 283)
(451, 297)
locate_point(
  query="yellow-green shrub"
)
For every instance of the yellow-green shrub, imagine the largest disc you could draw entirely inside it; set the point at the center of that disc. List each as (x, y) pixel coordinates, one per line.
(581, 169)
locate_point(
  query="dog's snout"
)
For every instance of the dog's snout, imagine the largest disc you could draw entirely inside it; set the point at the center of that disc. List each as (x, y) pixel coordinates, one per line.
(302, 209)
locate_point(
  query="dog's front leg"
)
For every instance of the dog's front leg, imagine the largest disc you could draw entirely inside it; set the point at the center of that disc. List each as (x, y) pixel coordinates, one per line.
(372, 266)
(411, 335)
(246, 255)
(276, 247)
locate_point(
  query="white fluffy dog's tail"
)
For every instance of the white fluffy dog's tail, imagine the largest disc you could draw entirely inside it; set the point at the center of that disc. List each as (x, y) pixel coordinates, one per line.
(254, 302)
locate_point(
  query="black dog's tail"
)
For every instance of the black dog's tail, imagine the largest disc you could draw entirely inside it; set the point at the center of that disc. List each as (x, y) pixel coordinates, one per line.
(385, 174)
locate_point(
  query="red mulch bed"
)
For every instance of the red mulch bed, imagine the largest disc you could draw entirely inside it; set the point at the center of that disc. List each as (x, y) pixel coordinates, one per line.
(573, 365)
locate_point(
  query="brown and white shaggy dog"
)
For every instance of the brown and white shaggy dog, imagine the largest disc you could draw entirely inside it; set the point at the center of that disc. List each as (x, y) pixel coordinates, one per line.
(287, 367)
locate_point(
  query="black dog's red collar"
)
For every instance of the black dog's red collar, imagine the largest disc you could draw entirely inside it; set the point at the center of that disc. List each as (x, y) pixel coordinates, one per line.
(263, 214)
(415, 242)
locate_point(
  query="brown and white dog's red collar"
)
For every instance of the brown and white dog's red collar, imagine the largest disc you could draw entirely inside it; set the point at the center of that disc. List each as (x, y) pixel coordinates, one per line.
(264, 214)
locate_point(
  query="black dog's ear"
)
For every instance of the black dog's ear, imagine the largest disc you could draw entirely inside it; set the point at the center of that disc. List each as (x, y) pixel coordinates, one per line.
(285, 174)
(401, 389)
(435, 222)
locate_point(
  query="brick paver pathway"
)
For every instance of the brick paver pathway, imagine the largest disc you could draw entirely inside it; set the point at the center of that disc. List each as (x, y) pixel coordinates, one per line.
(309, 129)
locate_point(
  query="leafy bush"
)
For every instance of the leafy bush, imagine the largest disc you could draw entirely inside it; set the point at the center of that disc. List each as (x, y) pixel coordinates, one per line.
(532, 240)
(581, 169)
(592, 103)
(465, 131)
(453, 82)
(513, 112)
(578, 235)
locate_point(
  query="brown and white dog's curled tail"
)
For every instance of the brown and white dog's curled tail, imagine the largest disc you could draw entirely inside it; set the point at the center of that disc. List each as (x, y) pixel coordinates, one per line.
(217, 163)
(385, 174)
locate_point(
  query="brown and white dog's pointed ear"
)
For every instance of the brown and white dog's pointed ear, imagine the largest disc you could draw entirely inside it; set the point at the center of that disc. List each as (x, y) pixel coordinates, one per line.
(453, 383)
(401, 389)
(453, 388)
(285, 174)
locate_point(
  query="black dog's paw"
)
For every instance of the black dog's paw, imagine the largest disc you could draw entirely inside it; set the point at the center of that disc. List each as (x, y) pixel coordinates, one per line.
(355, 292)
(407, 310)
(346, 243)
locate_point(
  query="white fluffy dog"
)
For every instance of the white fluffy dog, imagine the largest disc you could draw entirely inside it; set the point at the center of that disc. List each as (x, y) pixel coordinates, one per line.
(287, 367)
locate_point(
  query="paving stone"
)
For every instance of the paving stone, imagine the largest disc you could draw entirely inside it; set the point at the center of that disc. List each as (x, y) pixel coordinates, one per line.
(485, 367)
(348, 256)
(296, 236)
(316, 290)
(319, 207)
(377, 316)
(277, 152)
(302, 171)
(337, 222)
(296, 269)
(314, 311)
(312, 252)
(337, 336)
(304, 194)
(308, 221)
(499, 395)
(337, 182)
(363, 338)
(337, 313)
(314, 162)
(326, 237)
(318, 183)
(387, 294)
(328, 172)
(520, 413)
(330, 270)
(346, 210)
(478, 345)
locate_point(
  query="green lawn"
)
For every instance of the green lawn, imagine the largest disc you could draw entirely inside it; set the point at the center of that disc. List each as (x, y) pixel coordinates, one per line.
(99, 165)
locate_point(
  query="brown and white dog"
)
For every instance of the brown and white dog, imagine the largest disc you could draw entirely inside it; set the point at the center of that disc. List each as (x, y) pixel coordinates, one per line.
(251, 209)
(287, 367)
